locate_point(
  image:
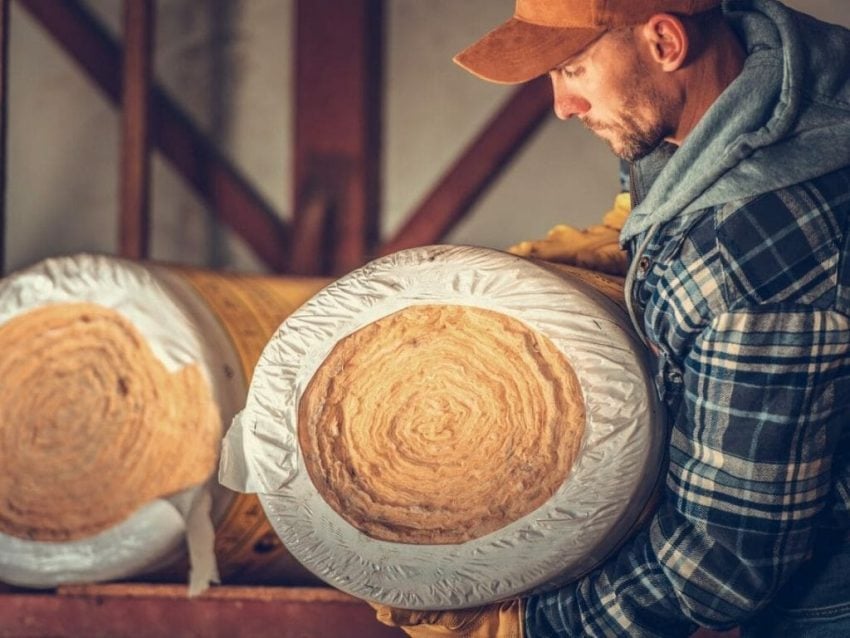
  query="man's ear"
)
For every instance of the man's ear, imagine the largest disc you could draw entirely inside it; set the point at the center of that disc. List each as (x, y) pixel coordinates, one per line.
(668, 41)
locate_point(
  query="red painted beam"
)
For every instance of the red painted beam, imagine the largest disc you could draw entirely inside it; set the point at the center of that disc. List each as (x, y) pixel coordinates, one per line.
(134, 226)
(164, 611)
(337, 131)
(476, 168)
(218, 183)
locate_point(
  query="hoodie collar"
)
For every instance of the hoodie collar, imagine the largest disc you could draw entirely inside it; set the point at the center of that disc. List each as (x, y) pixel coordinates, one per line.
(763, 132)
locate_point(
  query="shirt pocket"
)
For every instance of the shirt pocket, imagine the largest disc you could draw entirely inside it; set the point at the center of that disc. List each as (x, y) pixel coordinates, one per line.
(669, 381)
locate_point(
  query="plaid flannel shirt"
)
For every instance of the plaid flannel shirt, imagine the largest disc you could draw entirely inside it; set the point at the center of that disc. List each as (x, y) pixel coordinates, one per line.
(747, 310)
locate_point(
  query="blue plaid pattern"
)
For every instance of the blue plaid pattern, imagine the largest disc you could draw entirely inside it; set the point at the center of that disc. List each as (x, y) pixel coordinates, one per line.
(747, 307)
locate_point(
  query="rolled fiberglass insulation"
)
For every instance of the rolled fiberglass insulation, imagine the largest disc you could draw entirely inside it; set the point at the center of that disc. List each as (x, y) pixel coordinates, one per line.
(117, 377)
(450, 426)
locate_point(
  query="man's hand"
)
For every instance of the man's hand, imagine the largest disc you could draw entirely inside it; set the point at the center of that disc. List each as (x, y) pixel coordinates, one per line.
(595, 248)
(500, 620)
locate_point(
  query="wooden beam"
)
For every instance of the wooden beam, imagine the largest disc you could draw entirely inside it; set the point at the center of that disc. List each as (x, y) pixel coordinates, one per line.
(134, 226)
(164, 611)
(310, 251)
(217, 182)
(4, 117)
(337, 125)
(477, 167)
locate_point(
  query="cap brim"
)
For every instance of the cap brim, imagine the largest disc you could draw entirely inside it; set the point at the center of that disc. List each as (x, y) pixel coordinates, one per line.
(518, 51)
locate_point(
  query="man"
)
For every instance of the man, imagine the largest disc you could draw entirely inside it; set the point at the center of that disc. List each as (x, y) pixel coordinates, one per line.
(736, 119)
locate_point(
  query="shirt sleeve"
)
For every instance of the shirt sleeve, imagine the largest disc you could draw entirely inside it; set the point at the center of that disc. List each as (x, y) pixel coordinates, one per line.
(765, 390)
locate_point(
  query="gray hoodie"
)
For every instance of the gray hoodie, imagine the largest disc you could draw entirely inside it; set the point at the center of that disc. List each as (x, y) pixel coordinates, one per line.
(783, 120)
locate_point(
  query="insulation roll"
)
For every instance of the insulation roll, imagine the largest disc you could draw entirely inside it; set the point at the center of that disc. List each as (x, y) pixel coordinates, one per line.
(250, 308)
(451, 426)
(117, 377)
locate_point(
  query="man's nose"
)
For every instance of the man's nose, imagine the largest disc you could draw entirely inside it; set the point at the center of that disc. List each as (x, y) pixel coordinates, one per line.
(566, 103)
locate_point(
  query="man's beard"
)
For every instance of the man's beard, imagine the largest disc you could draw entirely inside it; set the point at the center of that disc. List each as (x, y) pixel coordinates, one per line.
(639, 127)
(632, 139)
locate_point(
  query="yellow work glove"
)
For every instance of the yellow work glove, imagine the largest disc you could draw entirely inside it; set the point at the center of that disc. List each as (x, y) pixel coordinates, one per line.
(595, 248)
(500, 620)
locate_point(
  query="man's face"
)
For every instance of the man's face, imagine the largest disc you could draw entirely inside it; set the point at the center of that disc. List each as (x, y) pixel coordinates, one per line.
(613, 90)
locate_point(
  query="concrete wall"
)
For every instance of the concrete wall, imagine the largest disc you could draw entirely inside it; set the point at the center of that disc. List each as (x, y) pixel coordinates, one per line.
(228, 62)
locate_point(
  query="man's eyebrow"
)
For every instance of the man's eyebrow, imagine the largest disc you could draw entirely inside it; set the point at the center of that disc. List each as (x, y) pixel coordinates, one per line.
(571, 61)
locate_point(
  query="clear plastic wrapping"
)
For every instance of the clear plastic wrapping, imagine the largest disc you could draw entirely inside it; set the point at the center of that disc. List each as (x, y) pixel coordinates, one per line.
(606, 490)
(180, 330)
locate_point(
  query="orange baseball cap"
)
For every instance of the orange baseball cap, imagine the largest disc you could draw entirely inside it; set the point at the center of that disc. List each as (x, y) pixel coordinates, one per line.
(544, 33)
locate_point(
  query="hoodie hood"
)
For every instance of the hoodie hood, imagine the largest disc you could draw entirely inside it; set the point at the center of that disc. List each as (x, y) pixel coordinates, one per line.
(783, 120)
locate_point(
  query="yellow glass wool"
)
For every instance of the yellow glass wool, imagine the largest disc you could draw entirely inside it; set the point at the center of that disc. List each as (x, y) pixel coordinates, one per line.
(440, 424)
(132, 432)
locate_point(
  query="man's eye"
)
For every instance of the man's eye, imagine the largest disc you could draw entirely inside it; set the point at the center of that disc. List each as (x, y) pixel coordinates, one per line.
(568, 73)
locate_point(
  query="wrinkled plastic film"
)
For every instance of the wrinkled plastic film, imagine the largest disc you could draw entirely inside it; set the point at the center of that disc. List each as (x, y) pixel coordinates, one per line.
(608, 484)
(180, 331)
